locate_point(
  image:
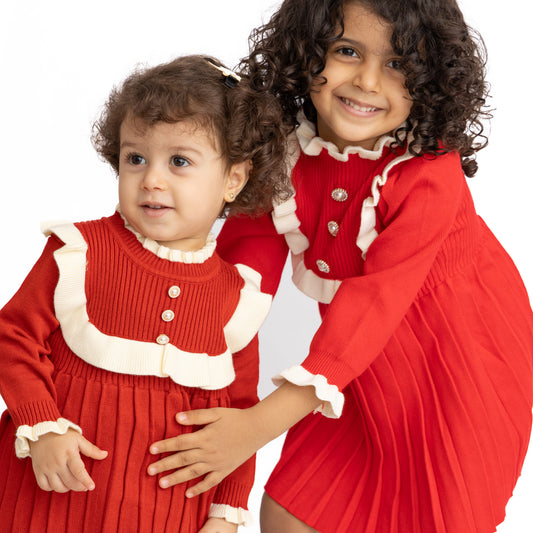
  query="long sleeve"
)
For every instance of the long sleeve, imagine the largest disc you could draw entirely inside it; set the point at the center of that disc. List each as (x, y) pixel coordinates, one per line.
(254, 242)
(26, 322)
(234, 490)
(419, 208)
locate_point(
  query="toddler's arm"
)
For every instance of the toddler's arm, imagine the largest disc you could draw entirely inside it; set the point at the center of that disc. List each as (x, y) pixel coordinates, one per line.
(57, 463)
(218, 525)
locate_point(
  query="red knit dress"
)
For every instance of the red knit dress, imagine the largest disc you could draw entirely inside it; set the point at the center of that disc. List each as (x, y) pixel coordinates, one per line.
(426, 335)
(115, 335)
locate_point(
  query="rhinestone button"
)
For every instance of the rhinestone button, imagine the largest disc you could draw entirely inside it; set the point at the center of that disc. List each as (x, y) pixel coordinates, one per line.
(322, 266)
(339, 195)
(168, 315)
(333, 228)
(162, 339)
(174, 291)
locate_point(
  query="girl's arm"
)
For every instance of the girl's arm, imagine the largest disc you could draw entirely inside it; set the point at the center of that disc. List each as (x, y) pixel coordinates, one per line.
(26, 323)
(421, 206)
(230, 436)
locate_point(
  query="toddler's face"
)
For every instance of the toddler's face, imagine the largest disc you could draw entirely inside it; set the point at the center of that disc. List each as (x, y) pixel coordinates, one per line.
(173, 182)
(364, 97)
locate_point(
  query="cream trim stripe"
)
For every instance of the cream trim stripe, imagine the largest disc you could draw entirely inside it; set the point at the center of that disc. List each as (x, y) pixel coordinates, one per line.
(117, 354)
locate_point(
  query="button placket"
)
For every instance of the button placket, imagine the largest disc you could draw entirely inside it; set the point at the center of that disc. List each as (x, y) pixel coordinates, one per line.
(168, 315)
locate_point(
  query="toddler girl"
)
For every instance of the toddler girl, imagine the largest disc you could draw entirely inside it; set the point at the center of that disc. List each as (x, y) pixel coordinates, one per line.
(427, 330)
(126, 320)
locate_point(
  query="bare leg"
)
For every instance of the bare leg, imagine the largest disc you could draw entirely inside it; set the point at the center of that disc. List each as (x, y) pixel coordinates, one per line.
(276, 519)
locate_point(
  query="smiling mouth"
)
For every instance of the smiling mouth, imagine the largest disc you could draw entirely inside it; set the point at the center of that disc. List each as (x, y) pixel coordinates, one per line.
(363, 108)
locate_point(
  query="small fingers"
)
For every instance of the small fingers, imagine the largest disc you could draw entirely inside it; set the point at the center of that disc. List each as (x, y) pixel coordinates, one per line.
(80, 478)
(56, 484)
(198, 417)
(187, 441)
(183, 475)
(211, 480)
(91, 450)
(172, 462)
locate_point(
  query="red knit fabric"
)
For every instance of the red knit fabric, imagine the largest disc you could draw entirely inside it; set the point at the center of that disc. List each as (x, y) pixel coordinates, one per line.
(431, 339)
(41, 379)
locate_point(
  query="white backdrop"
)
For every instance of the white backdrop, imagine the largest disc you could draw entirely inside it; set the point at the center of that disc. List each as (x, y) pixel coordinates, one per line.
(58, 61)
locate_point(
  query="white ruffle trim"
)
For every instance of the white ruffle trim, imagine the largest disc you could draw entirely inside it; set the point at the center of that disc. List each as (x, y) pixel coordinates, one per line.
(312, 144)
(32, 433)
(160, 357)
(250, 313)
(367, 230)
(170, 254)
(332, 398)
(235, 515)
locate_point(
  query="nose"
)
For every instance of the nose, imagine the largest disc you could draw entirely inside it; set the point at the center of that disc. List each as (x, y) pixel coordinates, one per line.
(153, 179)
(367, 77)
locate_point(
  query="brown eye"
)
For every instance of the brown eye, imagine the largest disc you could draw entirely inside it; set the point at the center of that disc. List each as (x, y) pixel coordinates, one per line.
(136, 159)
(178, 161)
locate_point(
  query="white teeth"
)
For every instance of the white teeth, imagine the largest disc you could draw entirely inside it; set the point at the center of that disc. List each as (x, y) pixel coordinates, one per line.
(358, 107)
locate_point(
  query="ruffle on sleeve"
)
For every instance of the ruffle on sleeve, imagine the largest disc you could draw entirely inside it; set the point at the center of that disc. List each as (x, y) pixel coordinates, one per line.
(332, 398)
(235, 515)
(25, 434)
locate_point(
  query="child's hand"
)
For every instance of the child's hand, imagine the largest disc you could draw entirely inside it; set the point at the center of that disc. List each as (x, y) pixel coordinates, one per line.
(57, 463)
(218, 525)
(227, 440)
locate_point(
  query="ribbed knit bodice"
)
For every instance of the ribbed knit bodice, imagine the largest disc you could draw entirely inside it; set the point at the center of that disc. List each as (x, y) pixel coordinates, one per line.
(130, 290)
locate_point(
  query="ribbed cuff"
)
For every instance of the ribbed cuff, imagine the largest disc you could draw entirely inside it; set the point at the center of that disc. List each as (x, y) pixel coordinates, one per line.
(32, 413)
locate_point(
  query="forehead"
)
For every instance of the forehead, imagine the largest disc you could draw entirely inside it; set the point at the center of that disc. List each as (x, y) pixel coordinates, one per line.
(365, 28)
(134, 129)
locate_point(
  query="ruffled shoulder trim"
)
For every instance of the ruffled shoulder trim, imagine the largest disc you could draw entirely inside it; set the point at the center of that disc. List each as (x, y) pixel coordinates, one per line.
(250, 313)
(116, 354)
(331, 396)
(367, 230)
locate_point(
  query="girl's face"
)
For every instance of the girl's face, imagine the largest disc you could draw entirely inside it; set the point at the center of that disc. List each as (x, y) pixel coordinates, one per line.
(364, 96)
(173, 182)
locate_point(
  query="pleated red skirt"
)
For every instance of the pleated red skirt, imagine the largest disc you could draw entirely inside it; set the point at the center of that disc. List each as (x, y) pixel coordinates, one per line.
(123, 415)
(434, 433)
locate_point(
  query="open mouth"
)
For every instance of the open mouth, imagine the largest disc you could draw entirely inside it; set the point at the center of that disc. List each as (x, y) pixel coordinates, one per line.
(360, 107)
(154, 209)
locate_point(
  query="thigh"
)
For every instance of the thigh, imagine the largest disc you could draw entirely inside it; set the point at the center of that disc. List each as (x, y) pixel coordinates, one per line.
(276, 519)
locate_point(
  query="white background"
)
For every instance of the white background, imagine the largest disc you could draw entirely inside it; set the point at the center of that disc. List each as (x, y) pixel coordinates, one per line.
(58, 61)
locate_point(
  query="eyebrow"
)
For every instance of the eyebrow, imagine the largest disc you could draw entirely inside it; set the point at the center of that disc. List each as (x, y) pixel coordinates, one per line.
(357, 44)
(178, 148)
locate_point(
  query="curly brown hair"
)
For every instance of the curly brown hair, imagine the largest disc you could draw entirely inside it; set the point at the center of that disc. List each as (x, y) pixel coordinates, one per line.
(246, 124)
(443, 60)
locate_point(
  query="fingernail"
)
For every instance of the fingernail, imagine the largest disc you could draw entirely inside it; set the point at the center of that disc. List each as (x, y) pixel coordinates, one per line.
(181, 417)
(189, 494)
(154, 449)
(151, 471)
(164, 483)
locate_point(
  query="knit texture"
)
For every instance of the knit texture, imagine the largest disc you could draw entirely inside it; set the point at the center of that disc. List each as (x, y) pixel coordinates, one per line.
(429, 336)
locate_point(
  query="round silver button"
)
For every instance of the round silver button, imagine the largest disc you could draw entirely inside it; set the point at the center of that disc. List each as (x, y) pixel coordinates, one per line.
(162, 339)
(339, 195)
(174, 291)
(167, 315)
(333, 228)
(322, 266)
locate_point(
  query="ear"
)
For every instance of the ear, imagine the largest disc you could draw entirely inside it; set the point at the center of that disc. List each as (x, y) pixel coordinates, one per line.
(236, 180)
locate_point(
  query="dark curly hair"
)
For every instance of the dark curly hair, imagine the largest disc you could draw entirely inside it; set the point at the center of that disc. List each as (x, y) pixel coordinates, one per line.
(246, 124)
(443, 60)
